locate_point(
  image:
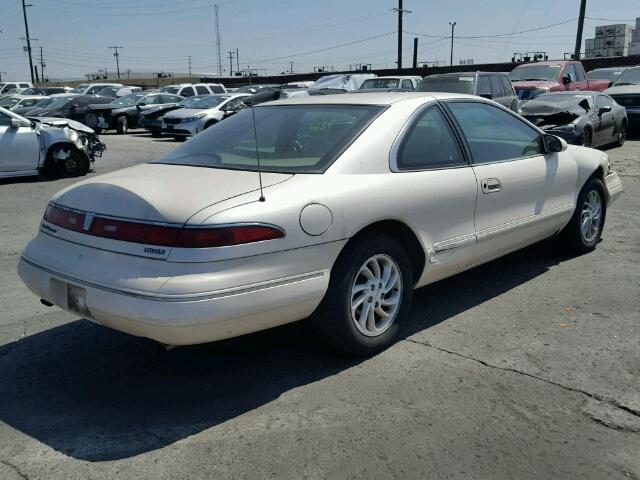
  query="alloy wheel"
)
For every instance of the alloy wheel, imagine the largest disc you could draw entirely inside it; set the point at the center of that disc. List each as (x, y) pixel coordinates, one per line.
(591, 216)
(376, 295)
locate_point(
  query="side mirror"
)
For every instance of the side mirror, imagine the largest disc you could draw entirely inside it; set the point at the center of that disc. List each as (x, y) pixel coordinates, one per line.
(15, 123)
(566, 79)
(488, 96)
(605, 109)
(554, 144)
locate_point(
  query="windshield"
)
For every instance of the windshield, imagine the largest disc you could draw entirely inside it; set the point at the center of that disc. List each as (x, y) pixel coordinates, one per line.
(380, 83)
(187, 102)
(80, 88)
(448, 84)
(548, 73)
(290, 138)
(631, 76)
(58, 103)
(562, 98)
(251, 88)
(128, 100)
(173, 90)
(603, 75)
(209, 101)
(44, 103)
(8, 102)
(30, 91)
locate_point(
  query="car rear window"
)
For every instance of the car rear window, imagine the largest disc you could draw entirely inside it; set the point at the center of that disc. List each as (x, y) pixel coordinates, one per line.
(448, 84)
(286, 138)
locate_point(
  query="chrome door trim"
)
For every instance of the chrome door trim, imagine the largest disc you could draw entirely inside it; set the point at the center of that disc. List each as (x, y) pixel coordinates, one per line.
(454, 243)
(524, 222)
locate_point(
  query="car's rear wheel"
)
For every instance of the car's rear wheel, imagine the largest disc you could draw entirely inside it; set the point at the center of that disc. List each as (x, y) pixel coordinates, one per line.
(586, 139)
(122, 125)
(584, 230)
(156, 133)
(622, 134)
(369, 296)
(179, 138)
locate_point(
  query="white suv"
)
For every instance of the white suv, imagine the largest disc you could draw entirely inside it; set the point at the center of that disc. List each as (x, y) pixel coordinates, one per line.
(193, 89)
(5, 87)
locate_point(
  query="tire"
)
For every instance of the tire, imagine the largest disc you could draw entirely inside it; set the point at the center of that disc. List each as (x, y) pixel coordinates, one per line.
(622, 134)
(179, 138)
(335, 321)
(98, 130)
(212, 122)
(122, 125)
(156, 133)
(586, 139)
(581, 240)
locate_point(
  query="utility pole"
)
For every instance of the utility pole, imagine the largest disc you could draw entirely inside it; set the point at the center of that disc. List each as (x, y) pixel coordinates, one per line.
(583, 7)
(453, 27)
(415, 52)
(400, 11)
(218, 43)
(238, 60)
(189, 65)
(290, 67)
(231, 53)
(26, 28)
(116, 54)
(42, 64)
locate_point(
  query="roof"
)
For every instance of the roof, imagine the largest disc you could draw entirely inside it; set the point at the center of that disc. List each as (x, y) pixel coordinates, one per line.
(378, 98)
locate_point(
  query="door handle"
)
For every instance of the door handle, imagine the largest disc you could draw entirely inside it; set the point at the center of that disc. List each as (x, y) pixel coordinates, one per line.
(490, 185)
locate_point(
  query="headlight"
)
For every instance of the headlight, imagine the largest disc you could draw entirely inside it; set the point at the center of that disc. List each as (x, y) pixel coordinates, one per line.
(566, 128)
(193, 118)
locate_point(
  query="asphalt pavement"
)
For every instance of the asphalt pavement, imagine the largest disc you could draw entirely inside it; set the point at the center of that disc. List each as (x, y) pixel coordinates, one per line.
(525, 368)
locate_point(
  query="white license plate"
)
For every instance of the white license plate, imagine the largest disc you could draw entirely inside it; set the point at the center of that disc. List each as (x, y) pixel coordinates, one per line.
(77, 300)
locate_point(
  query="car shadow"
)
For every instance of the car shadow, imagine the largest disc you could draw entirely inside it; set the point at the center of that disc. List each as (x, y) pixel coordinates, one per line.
(98, 395)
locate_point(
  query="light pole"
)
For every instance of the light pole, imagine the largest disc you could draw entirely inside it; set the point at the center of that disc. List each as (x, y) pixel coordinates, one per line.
(453, 27)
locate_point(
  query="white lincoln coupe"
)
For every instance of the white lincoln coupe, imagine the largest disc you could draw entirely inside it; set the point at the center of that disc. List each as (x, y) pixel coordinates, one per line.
(364, 198)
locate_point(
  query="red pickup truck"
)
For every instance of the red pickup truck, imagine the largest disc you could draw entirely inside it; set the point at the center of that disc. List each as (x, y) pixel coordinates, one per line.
(532, 79)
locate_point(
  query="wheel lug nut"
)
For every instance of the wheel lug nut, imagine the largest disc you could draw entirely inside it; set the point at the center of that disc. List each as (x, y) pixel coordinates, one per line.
(370, 299)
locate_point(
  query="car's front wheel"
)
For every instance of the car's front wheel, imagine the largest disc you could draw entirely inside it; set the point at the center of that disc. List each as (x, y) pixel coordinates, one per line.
(622, 134)
(122, 125)
(369, 296)
(584, 230)
(586, 139)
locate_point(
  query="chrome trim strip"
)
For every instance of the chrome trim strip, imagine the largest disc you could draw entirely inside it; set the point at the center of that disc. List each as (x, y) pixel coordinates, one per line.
(250, 288)
(491, 232)
(454, 243)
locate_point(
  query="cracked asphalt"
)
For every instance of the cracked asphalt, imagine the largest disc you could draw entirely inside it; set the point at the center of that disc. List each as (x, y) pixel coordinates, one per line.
(527, 367)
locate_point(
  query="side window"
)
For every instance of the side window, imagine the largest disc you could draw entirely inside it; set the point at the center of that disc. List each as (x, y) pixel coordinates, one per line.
(604, 101)
(407, 84)
(494, 135)
(93, 90)
(217, 89)
(152, 100)
(202, 90)
(571, 71)
(496, 86)
(5, 120)
(169, 99)
(484, 86)
(429, 144)
(506, 85)
(187, 92)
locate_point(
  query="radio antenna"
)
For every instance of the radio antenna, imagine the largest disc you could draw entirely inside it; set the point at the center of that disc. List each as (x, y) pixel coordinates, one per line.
(255, 136)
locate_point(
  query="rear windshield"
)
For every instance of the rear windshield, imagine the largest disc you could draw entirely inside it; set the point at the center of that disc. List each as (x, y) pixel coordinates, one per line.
(209, 101)
(173, 90)
(448, 84)
(631, 76)
(8, 101)
(290, 138)
(379, 83)
(533, 73)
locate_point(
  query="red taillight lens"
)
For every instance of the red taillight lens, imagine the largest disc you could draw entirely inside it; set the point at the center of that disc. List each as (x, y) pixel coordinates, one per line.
(161, 235)
(68, 219)
(226, 236)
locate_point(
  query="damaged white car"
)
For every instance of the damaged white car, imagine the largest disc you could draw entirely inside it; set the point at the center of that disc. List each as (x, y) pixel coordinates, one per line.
(53, 147)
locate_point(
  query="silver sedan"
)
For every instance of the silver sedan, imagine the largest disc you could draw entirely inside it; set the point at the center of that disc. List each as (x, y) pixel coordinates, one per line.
(329, 207)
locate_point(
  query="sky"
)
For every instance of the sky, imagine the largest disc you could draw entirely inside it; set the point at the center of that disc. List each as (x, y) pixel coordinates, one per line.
(160, 35)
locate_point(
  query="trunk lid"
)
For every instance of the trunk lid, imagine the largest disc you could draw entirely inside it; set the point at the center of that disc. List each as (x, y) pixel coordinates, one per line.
(161, 193)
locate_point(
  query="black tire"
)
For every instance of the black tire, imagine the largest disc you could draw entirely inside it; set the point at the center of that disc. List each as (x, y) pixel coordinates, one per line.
(212, 122)
(156, 133)
(122, 125)
(622, 134)
(334, 321)
(572, 236)
(586, 139)
(179, 138)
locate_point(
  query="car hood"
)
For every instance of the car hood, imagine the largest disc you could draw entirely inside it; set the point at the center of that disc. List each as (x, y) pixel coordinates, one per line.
(187, 112)
(623, 89)
(61, 122)
(161, 193)
(540, 108)
(160, 109)
(532, 85)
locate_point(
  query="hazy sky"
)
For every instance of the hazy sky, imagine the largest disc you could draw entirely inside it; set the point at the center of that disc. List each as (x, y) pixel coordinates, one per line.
(159, 35)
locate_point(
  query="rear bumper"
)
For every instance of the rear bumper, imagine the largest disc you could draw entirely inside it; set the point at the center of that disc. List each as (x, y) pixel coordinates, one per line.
(614, 187)
(179, 304)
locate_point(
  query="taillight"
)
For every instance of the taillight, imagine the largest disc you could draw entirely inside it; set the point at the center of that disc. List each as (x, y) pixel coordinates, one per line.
(161, 235)
(226, 236)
